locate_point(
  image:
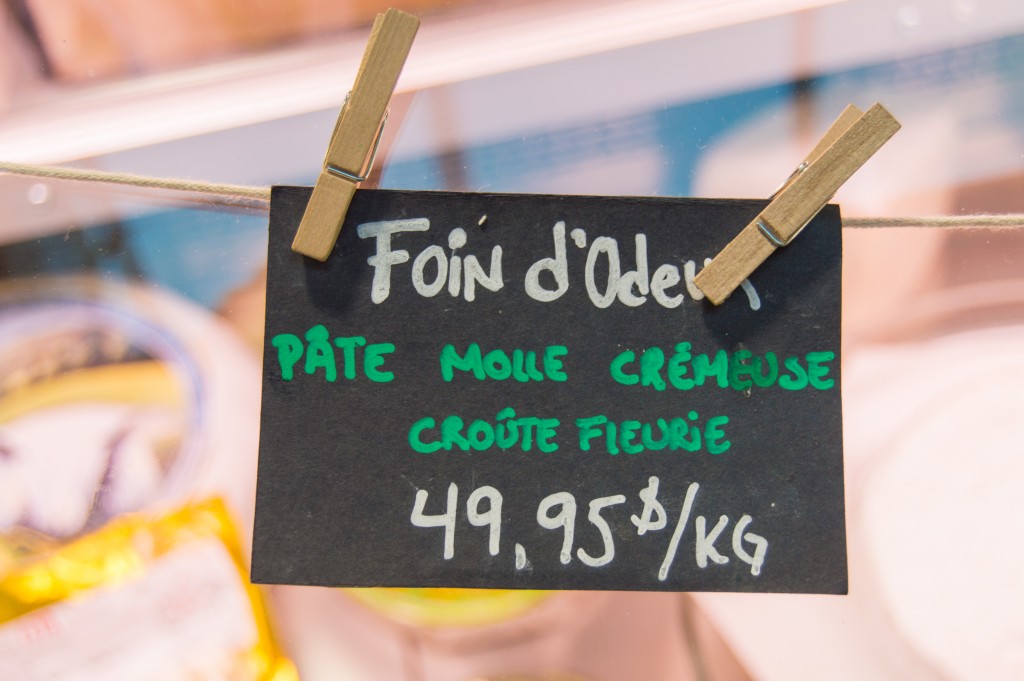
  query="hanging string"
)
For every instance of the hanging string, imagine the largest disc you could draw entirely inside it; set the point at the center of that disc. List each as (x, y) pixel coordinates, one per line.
(222, 193)
(979, 220)
(234, 194)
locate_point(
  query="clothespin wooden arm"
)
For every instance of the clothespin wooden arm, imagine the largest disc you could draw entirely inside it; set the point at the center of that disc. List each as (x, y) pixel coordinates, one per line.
(850, 115)
(848, 144)
(356, 133)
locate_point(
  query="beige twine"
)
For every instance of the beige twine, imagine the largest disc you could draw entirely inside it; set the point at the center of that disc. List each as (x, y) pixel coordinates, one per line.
(227, 193)
(260, 196)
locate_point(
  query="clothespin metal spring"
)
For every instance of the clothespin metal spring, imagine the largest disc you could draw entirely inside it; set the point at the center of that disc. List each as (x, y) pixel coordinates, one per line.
(357, 134)
(849, 143)
(364, 172)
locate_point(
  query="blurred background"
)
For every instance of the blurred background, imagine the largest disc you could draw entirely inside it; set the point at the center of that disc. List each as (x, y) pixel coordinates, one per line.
(131, 320)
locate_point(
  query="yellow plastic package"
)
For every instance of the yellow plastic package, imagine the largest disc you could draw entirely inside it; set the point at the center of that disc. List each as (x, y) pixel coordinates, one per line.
(140, 600)
(450, 607)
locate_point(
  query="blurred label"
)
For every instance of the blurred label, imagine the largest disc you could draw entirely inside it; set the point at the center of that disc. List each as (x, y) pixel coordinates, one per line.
(182, 619)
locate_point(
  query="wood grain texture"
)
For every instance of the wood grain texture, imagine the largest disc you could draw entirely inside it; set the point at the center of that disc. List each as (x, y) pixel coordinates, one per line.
(388, 47)
(325, 213)
(355, 132)
(738, 259)
(812, 189)
(839, 126)
(850, 141)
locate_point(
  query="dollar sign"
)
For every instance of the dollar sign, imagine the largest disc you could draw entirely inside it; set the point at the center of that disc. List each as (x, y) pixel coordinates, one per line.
(649, 495)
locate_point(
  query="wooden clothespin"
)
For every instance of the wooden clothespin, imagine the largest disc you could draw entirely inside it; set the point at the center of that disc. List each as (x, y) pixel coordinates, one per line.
(845, 147)
(356, 134)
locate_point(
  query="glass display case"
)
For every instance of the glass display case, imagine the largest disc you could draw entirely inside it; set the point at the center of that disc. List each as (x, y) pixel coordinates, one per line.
(131, 319)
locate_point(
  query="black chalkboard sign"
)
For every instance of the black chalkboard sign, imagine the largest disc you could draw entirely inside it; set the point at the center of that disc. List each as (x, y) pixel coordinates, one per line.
(522, 391)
